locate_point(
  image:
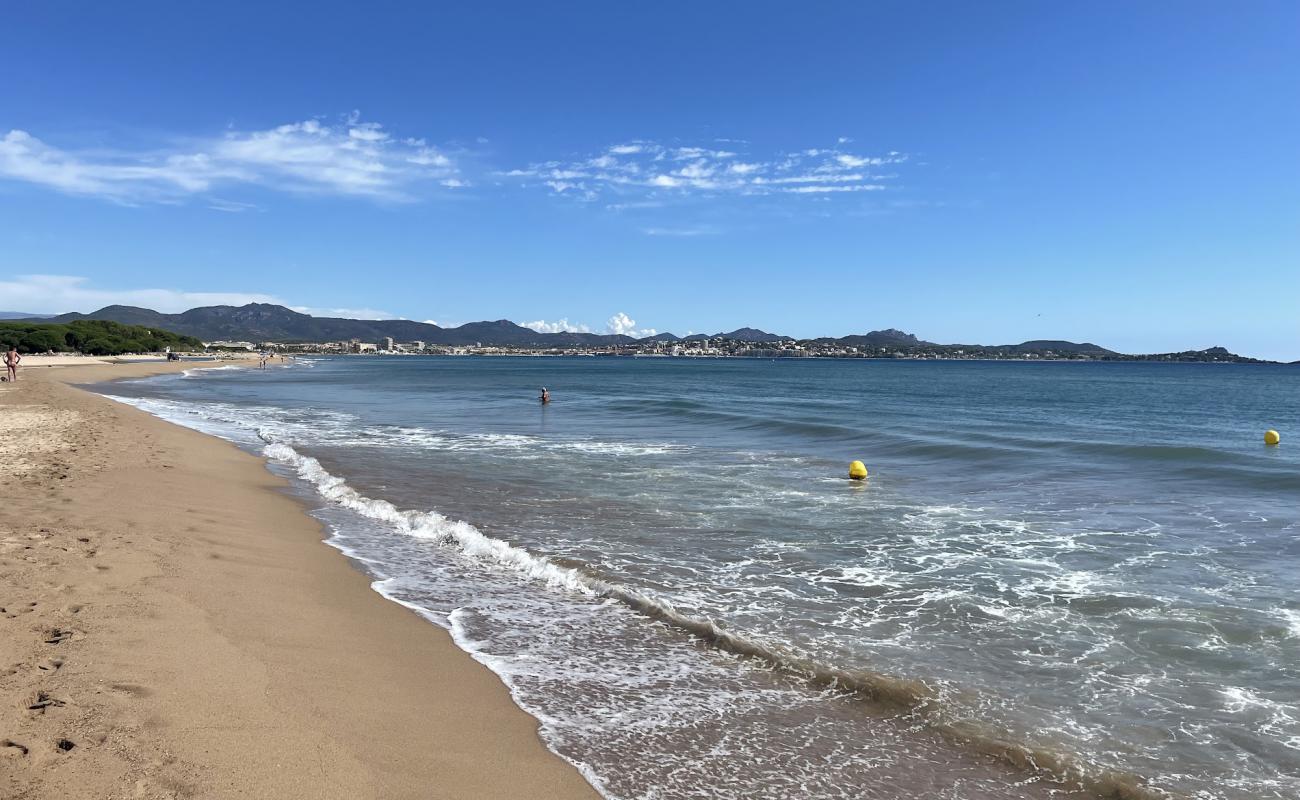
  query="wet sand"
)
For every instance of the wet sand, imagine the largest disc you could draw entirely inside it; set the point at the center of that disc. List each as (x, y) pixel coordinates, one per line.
(172, 626)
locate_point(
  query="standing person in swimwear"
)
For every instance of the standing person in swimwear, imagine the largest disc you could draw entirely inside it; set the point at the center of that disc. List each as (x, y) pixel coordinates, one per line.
(12, 360)
(545, 397)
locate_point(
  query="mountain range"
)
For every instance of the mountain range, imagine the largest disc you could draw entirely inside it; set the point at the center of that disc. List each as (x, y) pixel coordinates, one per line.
(264, 322)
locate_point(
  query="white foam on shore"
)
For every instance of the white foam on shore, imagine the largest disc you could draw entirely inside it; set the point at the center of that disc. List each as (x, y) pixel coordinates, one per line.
(1292, 618)
(431, 525)
(194, 372)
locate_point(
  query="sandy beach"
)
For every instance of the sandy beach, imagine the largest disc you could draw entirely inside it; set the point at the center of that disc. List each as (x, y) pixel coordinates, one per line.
(171, 625)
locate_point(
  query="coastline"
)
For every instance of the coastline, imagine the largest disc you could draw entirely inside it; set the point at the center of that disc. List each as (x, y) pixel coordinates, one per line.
(174, 626)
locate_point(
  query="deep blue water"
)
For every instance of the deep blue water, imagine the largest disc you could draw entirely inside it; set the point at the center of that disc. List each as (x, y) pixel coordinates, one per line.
(1094, 566)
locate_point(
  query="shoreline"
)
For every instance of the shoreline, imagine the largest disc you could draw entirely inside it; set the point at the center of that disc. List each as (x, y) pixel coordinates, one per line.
(174, 625)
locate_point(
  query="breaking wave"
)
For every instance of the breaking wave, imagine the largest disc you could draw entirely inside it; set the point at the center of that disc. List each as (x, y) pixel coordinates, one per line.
(915, 698)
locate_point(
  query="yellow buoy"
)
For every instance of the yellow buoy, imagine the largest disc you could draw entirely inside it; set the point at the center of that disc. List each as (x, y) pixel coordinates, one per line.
(1271, 437)
(858, 471)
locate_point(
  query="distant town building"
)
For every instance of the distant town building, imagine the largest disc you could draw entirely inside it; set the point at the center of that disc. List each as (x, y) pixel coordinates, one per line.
(388, 343)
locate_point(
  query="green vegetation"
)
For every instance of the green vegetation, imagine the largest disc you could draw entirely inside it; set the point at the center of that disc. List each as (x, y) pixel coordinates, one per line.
(92, 337)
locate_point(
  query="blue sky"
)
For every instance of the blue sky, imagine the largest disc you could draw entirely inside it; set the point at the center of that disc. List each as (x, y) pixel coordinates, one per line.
(1124, 173)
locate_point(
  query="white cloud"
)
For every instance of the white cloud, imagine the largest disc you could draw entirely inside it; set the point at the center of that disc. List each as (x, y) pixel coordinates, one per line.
(688, 153)
(57, 294)
(230, 206)
(351, 158)
(697, 230)
(621, 323)
(861, 187)
(697, 170)
(346, 313)
(635, 204)
(23, 157)
(559, 326)
(853, 162)
(640, 172)
(368, 132)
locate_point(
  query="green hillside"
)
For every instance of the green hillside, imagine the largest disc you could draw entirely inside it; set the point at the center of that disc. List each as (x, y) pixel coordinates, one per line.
(92, 337)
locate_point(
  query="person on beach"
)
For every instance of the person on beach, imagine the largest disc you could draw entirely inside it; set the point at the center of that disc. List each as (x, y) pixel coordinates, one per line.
(12, 360)
(546, 396)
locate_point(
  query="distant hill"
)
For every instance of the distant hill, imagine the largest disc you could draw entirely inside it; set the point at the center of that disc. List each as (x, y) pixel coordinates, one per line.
(16, 315)
(751, 335)
(265, 322)
(1215, 355)
(505, 332)
(1056, 346)
(890, 337)
(260, 322)
(738, 335)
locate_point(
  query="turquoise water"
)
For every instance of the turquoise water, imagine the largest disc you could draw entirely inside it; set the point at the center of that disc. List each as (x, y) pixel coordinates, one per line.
(1060, 579)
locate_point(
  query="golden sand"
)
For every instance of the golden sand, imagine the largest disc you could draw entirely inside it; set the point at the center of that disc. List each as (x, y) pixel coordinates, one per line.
(172, 626)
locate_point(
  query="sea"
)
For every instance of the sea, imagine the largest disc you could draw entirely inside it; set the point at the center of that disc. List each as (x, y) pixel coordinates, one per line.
(1060, 579)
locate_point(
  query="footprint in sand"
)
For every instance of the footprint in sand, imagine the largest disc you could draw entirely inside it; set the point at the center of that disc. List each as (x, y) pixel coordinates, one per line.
(57, 636)
(43, 702)
(14, 611)
(50, 665)
(9, 747)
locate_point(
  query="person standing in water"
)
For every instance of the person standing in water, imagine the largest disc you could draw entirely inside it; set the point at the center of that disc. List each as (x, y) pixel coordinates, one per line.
(546, 396)
(12, 360)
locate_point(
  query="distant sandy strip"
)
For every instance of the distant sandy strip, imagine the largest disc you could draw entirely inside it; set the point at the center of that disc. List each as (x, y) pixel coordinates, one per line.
(171, 626)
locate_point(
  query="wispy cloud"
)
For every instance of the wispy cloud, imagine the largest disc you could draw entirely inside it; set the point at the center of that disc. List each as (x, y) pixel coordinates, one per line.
(694, 230)
(230, 206)
(561, 325)
(346, 313)
(649, 172)
(58, 294)
(351, 157)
